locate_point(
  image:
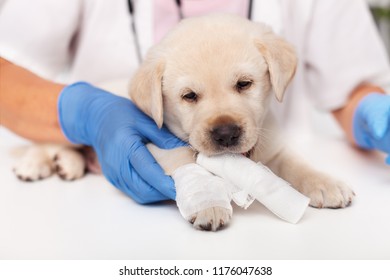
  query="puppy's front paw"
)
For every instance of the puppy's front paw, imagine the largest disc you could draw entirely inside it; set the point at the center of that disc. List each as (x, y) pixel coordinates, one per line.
(33, 166)
(211, 219)
(69, 164)
(326, 192)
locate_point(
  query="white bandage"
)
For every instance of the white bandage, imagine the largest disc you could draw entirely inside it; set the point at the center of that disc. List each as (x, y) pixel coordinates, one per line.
(255, 181)
(197, 189)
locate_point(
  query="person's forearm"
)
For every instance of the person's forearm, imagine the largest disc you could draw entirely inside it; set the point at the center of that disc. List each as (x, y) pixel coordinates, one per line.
(345, 115)
(28, 104)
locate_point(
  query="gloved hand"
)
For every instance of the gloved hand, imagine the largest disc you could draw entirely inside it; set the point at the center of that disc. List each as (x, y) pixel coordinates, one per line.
(118, 131)
(371, 123)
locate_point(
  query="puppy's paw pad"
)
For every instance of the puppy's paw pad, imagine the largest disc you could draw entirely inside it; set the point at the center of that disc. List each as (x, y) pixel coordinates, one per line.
(211, 219)
(69, 164)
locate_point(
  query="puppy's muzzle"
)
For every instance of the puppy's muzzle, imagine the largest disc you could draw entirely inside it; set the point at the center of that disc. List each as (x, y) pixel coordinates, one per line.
(226, 135)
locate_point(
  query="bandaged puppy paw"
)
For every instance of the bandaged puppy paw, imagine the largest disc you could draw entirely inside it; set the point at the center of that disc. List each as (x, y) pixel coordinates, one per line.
(255, 181)
(202, 198)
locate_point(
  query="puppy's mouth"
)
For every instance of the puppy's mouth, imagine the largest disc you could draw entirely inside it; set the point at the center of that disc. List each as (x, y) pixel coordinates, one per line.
(212, 147)
(224, 138)
(249, 153)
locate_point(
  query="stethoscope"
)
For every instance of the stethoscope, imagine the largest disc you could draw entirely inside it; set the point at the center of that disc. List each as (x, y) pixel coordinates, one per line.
(181, 16)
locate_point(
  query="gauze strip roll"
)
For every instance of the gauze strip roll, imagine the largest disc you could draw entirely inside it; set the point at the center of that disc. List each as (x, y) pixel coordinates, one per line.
(197, 189)
(255, 181)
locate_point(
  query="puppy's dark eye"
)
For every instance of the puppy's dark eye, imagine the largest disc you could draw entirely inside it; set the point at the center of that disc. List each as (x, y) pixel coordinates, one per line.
(243, 85)
(190, 97)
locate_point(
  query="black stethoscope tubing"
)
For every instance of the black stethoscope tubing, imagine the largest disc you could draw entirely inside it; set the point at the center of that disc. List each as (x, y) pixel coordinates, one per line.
(181, 16)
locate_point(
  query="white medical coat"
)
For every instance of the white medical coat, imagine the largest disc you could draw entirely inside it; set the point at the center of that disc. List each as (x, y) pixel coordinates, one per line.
(336, 41)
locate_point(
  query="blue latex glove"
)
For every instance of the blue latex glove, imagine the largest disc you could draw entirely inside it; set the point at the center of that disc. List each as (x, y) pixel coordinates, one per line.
(371, 123)
(118, 131)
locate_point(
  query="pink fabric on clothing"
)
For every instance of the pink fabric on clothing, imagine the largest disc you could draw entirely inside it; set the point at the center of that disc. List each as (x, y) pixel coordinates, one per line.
(166, 13)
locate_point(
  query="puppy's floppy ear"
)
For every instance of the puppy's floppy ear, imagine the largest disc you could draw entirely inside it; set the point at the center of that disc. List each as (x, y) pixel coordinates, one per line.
(281, 59)
(146, 88)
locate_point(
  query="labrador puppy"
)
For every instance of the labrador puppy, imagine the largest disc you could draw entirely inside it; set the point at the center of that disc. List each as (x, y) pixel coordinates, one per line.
(210, 81)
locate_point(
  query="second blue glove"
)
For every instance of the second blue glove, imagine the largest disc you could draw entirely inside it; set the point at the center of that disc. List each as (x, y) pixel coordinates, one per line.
(371, 123)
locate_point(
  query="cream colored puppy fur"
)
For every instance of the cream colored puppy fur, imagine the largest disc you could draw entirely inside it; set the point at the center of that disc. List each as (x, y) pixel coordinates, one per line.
(210, 82)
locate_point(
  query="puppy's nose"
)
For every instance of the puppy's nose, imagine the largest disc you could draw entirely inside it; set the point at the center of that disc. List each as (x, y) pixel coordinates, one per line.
(226, 135)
